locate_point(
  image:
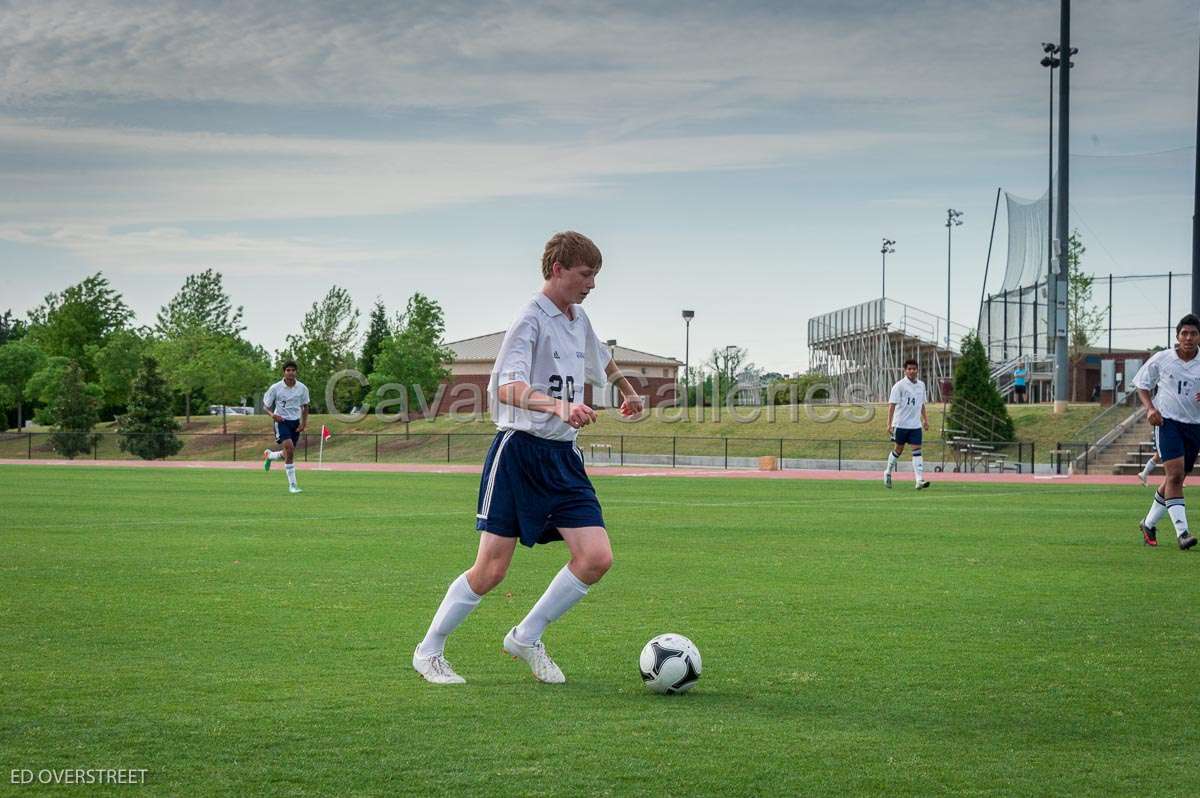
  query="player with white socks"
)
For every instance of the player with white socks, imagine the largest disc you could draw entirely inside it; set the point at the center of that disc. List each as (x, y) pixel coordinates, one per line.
(906, 419)
(1148, 469)
(534, 488)
(1175, 410)
(287, 402)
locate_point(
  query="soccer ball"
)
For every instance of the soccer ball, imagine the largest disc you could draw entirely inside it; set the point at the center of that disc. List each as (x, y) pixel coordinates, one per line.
(670, 664)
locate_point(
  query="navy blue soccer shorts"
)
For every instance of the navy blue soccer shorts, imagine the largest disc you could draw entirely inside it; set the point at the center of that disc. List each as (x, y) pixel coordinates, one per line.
(288, 428)
(1178, 439)
(903, 435)
(531, 487)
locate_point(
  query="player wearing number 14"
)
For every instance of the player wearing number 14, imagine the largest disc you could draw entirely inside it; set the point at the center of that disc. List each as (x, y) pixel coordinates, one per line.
(534, 488)
(1175, 411)
(906, 419)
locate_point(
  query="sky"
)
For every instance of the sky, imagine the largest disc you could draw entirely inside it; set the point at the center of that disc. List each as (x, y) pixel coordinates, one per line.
(741, 160)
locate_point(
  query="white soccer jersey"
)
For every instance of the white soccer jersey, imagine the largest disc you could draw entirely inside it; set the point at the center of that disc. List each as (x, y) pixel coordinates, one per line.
(1177, 381)
(554, 355)
(909, 398)
(285, 401)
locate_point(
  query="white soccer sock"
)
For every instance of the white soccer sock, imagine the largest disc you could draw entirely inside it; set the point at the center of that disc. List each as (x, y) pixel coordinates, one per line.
(290, 470)
(919, 467)
(453, 610)
(1158, 508)
(564, 592)
(1178, 516)
(275, 455)
(893, 461)
(1149, 467)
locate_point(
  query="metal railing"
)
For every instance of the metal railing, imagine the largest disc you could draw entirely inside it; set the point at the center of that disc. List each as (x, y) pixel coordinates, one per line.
(678, 451)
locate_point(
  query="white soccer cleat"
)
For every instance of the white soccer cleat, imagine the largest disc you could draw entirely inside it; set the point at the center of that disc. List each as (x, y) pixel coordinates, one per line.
(544, 669)
(435, 669)
(922, 485)
(1142, 477)
(887, 479)
(295, 490)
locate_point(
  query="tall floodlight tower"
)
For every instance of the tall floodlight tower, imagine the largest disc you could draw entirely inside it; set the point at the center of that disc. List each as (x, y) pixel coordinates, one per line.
(888, 248)
(1059, 267)
(1195, 216)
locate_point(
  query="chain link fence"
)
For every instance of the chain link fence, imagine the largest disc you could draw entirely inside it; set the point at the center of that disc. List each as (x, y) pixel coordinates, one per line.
(598, 450)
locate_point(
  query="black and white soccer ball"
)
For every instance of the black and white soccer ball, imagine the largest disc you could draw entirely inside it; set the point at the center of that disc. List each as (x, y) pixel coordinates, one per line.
(670, 664)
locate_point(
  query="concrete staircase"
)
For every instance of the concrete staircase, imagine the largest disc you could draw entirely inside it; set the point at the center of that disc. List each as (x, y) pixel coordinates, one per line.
(1127, 454)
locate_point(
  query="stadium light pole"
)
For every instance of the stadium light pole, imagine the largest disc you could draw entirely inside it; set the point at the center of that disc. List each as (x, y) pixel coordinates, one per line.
(1051, 63)
(953, 220)
(888, 248)
(688, 315)
(1061, 276)
(1196, 217)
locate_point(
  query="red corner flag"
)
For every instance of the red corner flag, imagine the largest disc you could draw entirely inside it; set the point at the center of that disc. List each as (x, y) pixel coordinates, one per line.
(325, 433)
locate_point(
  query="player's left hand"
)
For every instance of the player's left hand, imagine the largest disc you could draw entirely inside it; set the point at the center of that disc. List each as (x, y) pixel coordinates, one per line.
(1197, 396)
(632, 406)
(926, 426)
(301, 428)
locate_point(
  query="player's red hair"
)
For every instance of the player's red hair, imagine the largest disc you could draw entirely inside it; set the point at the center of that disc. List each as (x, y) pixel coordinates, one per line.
(570, 249)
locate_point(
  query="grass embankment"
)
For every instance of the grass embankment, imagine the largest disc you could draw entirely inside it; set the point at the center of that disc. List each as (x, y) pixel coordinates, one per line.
(807, 431)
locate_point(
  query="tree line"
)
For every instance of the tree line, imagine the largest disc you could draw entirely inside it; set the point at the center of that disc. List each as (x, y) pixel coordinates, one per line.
(79, 358)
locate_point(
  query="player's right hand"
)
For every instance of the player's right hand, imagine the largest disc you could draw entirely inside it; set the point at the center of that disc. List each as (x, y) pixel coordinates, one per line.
(577, 416)
(1154, 417)
(277, 417)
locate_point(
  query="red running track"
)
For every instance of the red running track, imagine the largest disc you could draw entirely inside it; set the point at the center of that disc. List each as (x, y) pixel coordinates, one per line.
(613, 471)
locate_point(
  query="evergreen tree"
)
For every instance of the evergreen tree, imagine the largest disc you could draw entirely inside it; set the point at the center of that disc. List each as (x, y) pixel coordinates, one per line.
(378, 331)
(977, 409)
(73, 412)
(148, 429)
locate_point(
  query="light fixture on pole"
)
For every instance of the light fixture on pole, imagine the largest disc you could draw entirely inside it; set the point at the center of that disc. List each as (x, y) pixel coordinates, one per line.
(688, 315)
(953, 220)
(888, 248)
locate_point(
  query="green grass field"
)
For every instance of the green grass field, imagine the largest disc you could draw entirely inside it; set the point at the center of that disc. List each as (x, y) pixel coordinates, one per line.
(233, 639)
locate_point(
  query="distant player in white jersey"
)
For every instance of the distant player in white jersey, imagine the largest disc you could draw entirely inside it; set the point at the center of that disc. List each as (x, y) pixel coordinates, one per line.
(906, 420)
(287, 402)
(1175, 411)
(534, 488)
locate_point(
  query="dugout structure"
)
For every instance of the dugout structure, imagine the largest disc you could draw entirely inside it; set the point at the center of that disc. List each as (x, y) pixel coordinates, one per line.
(861, 349)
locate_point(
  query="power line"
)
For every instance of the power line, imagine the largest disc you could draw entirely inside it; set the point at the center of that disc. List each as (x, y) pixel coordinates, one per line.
(1135, 154)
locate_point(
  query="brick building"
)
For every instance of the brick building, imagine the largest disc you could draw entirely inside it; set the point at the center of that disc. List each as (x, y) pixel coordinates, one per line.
(654, 376)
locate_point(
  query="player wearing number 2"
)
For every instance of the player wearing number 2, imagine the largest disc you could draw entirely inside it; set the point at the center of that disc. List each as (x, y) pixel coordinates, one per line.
(534, 488)
(1175, 410)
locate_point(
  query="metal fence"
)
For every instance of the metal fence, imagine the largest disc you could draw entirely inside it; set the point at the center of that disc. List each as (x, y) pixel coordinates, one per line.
(1137, 312)
(598, 450)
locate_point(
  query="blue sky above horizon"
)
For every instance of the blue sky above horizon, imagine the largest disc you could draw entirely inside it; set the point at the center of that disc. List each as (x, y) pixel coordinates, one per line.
(741, 160)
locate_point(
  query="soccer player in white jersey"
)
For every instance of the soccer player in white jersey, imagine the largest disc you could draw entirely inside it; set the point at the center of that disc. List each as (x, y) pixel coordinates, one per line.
(287, 402)
(534, 488)
(1175, 411)
(906, 420)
